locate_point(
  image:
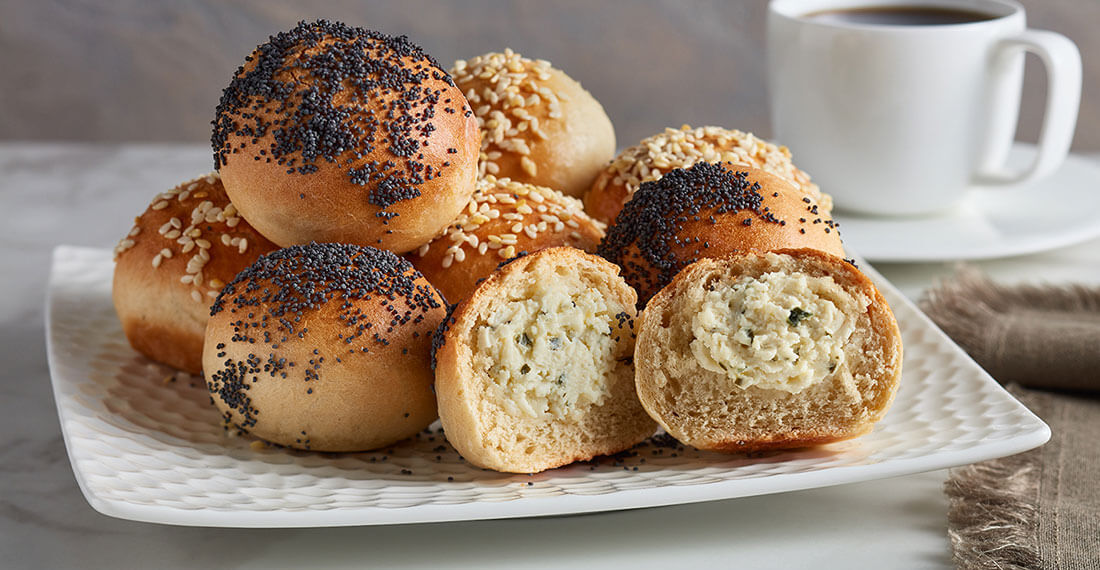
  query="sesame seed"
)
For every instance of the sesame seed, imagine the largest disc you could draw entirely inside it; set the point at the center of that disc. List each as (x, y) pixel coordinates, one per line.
(529, 166)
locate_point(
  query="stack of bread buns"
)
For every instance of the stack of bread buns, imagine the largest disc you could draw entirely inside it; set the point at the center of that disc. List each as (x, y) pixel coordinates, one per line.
(412, 205)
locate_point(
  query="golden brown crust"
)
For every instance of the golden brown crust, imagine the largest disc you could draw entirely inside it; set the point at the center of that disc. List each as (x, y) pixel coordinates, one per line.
(372, 189)
(538, 125)
(187, 244)
(681, 148)
(825, 412)
(652, 251)
(325, 347)
(474, 422)
(502, 219)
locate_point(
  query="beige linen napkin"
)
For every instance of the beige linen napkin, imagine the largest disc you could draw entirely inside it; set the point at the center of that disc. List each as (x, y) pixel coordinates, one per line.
(1041, 508)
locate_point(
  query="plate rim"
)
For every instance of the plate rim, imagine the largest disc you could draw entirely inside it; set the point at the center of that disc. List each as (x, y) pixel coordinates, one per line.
(523, 507)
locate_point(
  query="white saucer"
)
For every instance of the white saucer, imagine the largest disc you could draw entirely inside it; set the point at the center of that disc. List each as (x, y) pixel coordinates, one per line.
(1061, 210)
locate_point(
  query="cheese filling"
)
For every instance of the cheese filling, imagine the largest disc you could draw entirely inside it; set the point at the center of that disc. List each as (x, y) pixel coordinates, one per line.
(778, 331)
(549, 353)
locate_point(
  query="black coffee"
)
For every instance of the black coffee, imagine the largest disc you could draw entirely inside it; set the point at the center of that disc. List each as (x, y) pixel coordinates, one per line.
(899, 16)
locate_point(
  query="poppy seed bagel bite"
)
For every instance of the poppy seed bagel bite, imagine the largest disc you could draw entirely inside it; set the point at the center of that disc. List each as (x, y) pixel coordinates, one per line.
(171, 265)
(771, 350)
(325, 347)
(534, 370)
(331, 133)
(710, 210)
(681, 148)
(503, 219)
(538, 125)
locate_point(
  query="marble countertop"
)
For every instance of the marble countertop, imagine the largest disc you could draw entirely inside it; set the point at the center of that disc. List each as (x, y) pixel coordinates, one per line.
(87, 195)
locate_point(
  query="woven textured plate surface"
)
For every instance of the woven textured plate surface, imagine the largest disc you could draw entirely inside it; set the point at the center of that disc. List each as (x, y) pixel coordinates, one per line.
(146, 444)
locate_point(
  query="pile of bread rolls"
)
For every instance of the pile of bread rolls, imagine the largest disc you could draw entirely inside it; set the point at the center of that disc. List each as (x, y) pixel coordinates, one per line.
(385, 242)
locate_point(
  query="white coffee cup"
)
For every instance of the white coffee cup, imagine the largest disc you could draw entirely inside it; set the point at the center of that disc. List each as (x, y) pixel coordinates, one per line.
(904, 119)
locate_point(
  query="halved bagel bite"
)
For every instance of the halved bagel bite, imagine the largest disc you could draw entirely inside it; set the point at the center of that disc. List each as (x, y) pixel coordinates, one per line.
(766, 351)
(534, 370)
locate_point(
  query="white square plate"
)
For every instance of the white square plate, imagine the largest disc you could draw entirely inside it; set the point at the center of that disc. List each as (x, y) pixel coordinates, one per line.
(146, 444)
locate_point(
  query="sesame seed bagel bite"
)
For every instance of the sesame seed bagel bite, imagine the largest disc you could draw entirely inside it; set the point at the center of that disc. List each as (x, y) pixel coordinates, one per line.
(711, 210)
(681, 148)
(325, 347)
(181, 251)
(502, 219)
(534, 370)
(538, 125)
(332, 133)
(768, 350)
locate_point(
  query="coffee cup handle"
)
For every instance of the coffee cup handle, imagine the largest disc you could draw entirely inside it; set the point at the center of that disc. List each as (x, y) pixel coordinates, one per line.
(1063, 65)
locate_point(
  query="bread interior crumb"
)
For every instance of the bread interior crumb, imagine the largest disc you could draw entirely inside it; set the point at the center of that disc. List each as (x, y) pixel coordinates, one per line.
(780, 331)
(549, 348)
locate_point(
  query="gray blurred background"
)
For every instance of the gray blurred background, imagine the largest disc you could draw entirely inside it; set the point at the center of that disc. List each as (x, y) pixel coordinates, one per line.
(153, 70)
